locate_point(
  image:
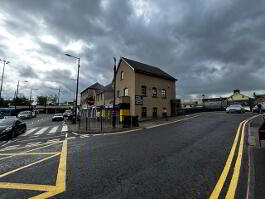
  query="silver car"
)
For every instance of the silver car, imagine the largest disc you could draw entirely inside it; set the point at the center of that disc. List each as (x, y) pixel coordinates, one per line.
(235, 108)
(25, 115)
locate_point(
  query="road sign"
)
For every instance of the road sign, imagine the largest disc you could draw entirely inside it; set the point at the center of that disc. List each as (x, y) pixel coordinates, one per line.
(139, 100)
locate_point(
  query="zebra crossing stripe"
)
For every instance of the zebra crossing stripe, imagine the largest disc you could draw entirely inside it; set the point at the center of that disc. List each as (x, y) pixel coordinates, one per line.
(65, 128)
(41, 131)
(29, 132)
(33, 144)
(54, 140)
(53, 130)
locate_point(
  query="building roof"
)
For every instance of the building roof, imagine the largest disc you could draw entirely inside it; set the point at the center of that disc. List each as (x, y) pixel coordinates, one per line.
(97, 86)
(148, 69)
(108, 87)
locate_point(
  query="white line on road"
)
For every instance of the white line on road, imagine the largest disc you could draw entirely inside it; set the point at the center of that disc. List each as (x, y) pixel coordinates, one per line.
(53, 130)
(54, 140)
(29, 132)
(33, 144)
(65, 128)
(41, 131)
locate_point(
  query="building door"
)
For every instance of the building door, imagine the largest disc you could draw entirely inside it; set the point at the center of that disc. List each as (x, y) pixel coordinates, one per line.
(154, 112)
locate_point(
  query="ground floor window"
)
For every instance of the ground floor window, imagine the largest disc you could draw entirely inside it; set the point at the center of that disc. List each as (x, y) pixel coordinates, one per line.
(144, 110)
(154, 112)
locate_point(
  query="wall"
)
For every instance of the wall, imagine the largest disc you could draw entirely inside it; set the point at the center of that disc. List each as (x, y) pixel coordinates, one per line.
(127, 82)
(149, 101)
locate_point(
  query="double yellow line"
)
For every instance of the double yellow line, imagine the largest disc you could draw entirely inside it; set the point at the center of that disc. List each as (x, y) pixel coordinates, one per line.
(236, 172)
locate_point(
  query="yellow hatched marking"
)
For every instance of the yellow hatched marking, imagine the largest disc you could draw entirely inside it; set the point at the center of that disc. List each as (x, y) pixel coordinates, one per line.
(35, 187)
(16, 154)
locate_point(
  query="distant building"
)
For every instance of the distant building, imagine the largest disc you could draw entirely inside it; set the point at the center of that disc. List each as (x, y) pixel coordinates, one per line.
(239, 98)
(259, 99)
(141, 89)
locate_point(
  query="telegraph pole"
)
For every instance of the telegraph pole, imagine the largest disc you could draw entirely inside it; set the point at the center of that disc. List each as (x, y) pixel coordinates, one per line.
(114, 95)
(5, 62)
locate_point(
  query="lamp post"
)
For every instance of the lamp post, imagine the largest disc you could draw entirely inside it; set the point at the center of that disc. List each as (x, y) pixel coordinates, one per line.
(5, 62)
(31, 96)
(77, 82)
(17, 95)
(114, 96)
(203, 103)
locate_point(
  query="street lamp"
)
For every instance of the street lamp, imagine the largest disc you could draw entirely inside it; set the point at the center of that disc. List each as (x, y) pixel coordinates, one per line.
(31, 96)
(5, 62)
(17, 95)
(77, 82)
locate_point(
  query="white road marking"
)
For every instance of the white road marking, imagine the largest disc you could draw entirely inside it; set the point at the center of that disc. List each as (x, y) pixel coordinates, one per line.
(29, 132)
(53, 130)
(33, 144)
(84, 136)
(54, 140)
(65, 128)
(11, 147)
(8, 142)
(66, 135)
(41, 131)
(70, 138)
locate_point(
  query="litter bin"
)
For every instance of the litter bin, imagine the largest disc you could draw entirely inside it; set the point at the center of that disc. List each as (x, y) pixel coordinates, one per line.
(262, 132)
(135, 122)
(126, 121)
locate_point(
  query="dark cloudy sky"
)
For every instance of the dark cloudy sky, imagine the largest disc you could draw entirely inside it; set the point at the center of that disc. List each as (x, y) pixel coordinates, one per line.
(210, 46)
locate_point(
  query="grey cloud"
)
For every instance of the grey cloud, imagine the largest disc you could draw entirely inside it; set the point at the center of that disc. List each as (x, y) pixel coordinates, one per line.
(211, 47)
(27, 71)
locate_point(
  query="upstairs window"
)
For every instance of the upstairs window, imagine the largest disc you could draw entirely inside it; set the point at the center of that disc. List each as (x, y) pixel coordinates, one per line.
(154, 92)
(126, 92)
(122, 75)
(143, 90)
(164, 93)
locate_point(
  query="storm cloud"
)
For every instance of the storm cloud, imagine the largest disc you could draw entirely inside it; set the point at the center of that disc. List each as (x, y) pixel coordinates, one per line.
(211, 46)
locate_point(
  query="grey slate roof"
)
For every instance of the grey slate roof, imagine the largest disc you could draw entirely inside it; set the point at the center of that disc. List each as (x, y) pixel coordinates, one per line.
(97, 86)
(108, 87)
(148, 70)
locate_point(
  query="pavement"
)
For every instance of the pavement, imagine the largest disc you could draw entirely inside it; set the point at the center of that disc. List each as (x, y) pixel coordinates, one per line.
(257, 162)
(183, 158)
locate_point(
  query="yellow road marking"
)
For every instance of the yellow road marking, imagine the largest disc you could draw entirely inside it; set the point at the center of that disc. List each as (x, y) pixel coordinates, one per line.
(216, 192)
(233, 184)
(26, 166)
(35, 187)
(175, 121)
(28, 146)
(221, 181)
(16, 154)
(61, 176)
(30, 150)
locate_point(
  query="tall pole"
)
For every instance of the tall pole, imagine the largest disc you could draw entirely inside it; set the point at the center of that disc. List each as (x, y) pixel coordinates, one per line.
(30, 98)
(114, 95)
(59, 97)
(76, 94)
(5, 62)
(16, 98)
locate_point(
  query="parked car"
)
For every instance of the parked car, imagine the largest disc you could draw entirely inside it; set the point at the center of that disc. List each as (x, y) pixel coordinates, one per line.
(256, 109)
(68, 113)
(58, 117)
(10, 127)
(25, 115)
(235, 108)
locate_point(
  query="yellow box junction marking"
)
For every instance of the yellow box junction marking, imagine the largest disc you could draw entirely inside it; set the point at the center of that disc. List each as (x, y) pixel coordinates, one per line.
(236, 172)
(49, 189)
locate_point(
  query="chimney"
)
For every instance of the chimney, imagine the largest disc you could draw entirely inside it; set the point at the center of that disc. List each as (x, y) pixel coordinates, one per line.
(237, 91)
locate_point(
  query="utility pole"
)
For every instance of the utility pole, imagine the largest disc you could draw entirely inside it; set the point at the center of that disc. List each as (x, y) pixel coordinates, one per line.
(59, 96)
(16, 98)
(114, 95)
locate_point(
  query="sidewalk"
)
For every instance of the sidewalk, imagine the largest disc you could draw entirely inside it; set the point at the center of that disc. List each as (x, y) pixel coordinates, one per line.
(142, 125)
(257, 160)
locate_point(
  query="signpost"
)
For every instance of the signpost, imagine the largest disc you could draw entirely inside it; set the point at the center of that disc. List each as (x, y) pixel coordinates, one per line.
(139, 100)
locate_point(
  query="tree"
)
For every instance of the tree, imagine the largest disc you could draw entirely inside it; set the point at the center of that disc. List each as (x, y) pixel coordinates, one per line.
(20, 101)
(42, 100)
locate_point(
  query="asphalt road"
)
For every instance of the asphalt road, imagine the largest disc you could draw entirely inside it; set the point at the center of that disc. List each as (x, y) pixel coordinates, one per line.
(180, 160)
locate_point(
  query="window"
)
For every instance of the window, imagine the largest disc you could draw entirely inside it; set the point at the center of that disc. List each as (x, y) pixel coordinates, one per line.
(118, 93)
(164, 93)
(154, 92)
(144, 110)
(126, 92)
(122, 75)
(100, 96)
(143, 90)
(154, 112)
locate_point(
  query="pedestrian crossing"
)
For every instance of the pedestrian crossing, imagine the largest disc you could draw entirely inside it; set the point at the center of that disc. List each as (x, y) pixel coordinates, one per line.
(49, 130)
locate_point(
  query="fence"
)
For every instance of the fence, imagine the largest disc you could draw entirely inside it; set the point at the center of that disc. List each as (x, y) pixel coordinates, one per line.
(99, 123)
